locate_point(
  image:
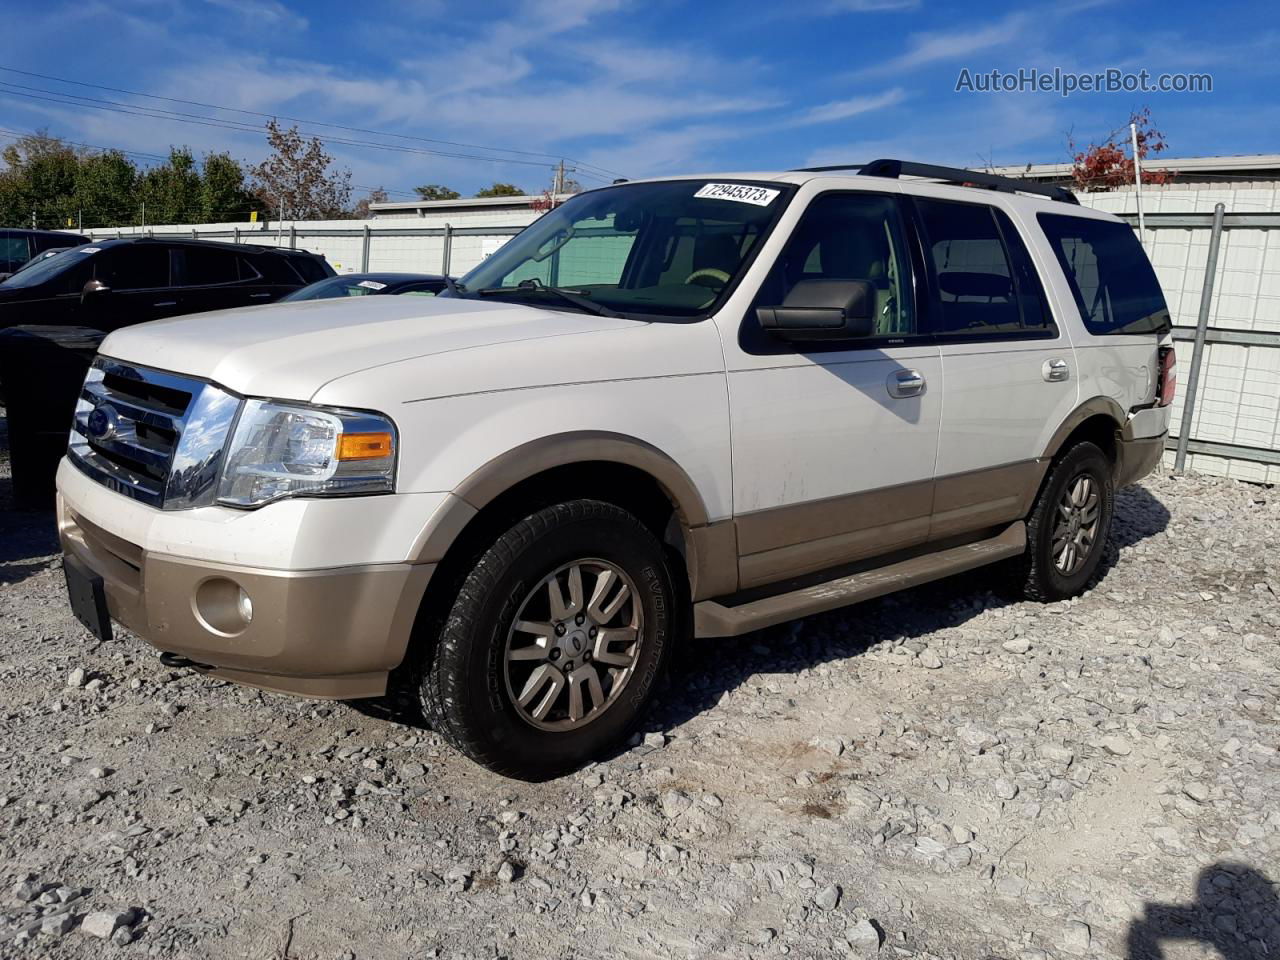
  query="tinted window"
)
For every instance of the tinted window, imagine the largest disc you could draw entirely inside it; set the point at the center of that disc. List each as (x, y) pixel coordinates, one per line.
(202, 266)
(851, 236)
(1030, 291)
(13, 252)
(310, 269)
(972, 273)
(1110, 275)
(135, 267)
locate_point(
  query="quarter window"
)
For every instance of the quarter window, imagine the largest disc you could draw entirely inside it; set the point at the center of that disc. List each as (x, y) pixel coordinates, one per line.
(1110, 276)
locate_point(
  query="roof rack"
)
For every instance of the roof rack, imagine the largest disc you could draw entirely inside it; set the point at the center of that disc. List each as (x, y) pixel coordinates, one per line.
(894, 169)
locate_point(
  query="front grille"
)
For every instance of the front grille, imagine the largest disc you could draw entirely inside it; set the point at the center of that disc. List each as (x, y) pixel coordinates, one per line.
(154, 436)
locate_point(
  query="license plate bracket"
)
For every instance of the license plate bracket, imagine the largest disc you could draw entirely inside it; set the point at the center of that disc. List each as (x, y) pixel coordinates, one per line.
(88, 596)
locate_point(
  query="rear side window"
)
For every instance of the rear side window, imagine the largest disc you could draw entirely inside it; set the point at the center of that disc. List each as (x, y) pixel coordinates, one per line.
(1110, 276)
(982, 290)
(207, 266)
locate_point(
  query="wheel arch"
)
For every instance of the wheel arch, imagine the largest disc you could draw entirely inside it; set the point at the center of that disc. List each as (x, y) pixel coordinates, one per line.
(1099, 420)
(615, 468)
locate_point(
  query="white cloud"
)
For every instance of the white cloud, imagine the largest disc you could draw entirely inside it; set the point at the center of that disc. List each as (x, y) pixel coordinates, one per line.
(852, 107)
(271, 13)
(943, 45)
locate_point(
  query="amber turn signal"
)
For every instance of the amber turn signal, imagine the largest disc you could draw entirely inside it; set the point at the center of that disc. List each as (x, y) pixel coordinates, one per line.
(364, 446)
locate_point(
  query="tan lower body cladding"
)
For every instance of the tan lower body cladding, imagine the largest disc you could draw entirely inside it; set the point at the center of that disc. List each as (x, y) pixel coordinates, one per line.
(807, 537)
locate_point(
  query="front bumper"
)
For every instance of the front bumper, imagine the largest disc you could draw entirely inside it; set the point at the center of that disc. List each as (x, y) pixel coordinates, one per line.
(334, 632)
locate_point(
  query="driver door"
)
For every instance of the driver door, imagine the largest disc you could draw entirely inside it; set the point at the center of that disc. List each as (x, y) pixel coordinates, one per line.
(834, 443)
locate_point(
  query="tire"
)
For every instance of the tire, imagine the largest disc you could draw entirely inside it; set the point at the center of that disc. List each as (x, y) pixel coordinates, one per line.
(489, 677)
(1048, 571)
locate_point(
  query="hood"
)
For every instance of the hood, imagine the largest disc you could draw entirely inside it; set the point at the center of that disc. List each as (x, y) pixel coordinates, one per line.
(291, 350)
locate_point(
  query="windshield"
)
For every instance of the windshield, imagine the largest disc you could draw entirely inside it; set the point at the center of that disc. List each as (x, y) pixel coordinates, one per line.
(670, 249)
(37, 272)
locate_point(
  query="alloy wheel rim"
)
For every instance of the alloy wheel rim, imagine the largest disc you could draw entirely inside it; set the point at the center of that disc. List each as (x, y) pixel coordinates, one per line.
(1077, 519)
(573, 645)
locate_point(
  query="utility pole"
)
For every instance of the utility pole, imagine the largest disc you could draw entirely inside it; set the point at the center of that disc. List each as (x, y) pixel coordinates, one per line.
(80, 221)
(1137, 184)
(33, 218)
(558, 181)
(144, 215)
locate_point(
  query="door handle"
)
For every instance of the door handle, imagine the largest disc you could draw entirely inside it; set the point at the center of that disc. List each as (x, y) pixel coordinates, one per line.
(166, 303)
(905, 383)
(1056, 370)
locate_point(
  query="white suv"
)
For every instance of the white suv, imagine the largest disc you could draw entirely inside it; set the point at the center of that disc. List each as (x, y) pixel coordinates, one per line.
(698, 405)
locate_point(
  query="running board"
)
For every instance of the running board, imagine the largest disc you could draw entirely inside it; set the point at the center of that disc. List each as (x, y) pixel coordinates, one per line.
(713, 619)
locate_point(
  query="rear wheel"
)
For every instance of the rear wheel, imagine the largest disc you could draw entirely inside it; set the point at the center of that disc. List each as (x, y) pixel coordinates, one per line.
(1067, 529)
(554, 644)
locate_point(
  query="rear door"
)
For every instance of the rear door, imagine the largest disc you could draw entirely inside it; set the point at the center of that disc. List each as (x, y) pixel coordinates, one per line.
(1008, 368)
(210, 278)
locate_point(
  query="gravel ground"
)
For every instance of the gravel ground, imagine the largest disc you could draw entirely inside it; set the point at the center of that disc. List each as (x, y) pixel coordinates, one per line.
(942, 773)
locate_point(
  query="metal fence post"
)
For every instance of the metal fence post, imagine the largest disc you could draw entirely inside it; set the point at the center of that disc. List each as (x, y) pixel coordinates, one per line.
(293, 236)
(236, 235)
(1197, 351)
(364, 253)
(447, 251)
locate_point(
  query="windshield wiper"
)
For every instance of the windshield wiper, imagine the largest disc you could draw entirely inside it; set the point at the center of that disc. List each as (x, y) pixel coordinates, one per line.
(578, 298)
(453, 286)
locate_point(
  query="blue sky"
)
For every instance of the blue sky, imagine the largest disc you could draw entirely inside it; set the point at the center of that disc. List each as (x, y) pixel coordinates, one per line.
(639, 88)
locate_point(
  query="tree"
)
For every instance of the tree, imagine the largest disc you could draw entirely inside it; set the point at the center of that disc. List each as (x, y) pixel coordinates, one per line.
(436, 191)
(500, 190)
(172, 190)
(39, 177)
(223, 194)
(296, 178)
(361, 210)
(1107, 165)
(106, 187)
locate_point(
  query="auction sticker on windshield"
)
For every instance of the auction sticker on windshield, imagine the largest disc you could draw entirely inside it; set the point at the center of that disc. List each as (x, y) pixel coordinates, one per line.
(739, 192)
(371, 285)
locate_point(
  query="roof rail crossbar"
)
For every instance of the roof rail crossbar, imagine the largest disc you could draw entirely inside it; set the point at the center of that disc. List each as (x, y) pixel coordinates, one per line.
(894, 169)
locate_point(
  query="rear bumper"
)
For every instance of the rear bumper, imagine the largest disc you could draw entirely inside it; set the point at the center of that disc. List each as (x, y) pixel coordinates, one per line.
(330, 633)
(1137, 457)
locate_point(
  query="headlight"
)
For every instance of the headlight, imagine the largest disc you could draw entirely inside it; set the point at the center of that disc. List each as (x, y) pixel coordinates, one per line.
(290, 450)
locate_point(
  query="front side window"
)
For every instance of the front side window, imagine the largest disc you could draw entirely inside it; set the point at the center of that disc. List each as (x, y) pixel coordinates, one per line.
(13, 252)
(850, 236)
(143, 266)
(1114, 286)
(671, 249)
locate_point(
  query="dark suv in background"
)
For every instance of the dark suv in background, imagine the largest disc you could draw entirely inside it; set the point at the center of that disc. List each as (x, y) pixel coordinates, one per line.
(114, 283)
(19, 246)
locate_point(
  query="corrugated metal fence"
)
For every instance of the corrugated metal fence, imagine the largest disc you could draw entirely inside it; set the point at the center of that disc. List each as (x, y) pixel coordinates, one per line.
(1235, 418)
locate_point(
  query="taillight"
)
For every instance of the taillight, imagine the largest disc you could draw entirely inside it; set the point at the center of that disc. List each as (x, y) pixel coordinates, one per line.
(1167, 381)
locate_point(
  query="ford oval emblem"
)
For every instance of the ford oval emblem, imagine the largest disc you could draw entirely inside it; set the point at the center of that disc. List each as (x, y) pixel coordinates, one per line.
(103, 422)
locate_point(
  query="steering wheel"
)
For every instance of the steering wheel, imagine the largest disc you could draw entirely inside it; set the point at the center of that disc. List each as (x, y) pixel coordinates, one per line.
(719, 279)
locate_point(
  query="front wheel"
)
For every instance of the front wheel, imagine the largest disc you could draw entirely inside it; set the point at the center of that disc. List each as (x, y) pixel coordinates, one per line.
(554, 643)
(1067, 529)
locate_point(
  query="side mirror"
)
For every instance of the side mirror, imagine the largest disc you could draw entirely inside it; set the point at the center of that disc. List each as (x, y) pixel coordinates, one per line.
(823, 310)
(93, 288)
